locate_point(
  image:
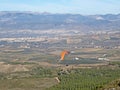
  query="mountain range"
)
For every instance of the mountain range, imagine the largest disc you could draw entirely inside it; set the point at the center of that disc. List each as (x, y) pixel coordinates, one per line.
(16, 20)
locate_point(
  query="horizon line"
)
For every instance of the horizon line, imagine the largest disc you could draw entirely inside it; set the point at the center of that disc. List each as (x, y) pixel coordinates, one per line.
(40, 12)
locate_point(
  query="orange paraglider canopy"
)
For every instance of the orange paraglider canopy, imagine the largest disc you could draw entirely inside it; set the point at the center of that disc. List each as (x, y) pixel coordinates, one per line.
(63, 53)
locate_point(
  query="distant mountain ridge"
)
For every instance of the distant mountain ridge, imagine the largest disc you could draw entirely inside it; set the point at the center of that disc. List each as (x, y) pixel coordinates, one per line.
(44, 21)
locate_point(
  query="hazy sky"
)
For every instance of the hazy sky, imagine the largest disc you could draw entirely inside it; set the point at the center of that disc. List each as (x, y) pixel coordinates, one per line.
(63, 6)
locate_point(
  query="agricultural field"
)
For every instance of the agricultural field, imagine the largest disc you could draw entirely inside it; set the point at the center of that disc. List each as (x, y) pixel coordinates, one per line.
(40, 69)
(88, 79)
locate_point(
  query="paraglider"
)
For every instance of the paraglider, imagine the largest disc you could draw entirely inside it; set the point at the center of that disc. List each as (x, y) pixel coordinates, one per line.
(63, 53)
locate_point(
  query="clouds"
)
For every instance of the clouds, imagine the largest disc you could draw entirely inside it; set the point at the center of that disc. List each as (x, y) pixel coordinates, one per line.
(63, 6)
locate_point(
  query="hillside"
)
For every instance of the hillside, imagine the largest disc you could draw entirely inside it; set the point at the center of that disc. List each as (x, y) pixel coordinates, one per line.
(45, 21)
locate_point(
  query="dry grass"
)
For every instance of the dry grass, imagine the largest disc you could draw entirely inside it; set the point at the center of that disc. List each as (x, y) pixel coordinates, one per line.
(27, 84)
(6, 68)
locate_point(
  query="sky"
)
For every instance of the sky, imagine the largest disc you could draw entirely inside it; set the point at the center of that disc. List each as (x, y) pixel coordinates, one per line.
(85, 7)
